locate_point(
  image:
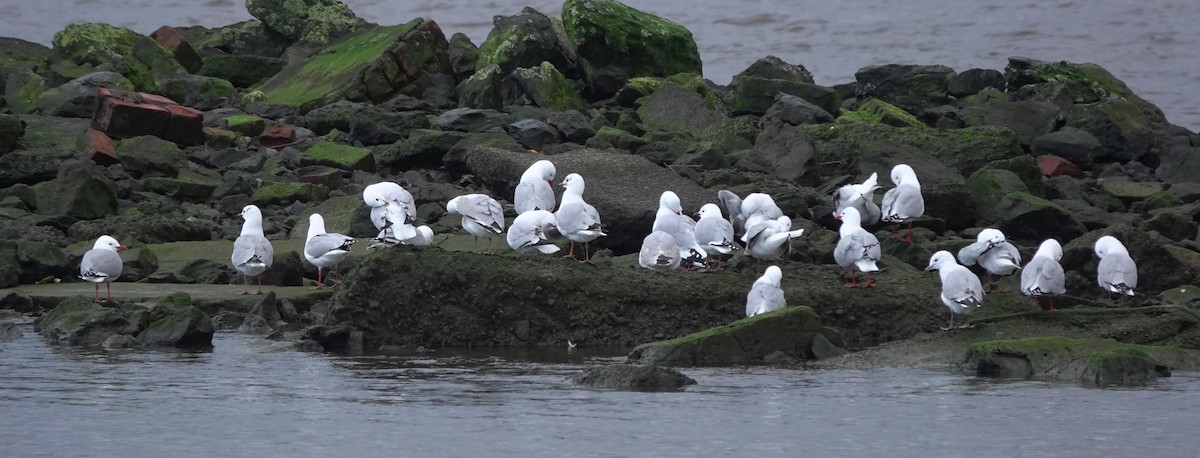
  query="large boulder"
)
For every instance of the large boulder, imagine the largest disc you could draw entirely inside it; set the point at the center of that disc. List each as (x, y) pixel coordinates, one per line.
(632, 377)
(616, 43)
(78, 98)
(913, 88)
(79, 321)
(1029, 119)
(149, 156)
(781, 151)
(144, 228)
(755, 89)
(198, 91)
(789, 331)
(463, 55)
(368, 124)
(526, 40)
(422, 148)
(339, 156)
(80, 191)
(1069, 143)
(40, 260)
(21, 56)
(175, 322)
(47, 141)
(135, 56)
(541, 85)
(308, 21)
(1090, 362)
(374, 65)
(675, 109)
(1004, 200)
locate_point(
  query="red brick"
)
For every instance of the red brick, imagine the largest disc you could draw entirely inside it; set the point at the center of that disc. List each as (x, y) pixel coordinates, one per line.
(122, 119)
(184, 53)
(186, 125)
(278, 136)
(1053, 166)
(99, 147)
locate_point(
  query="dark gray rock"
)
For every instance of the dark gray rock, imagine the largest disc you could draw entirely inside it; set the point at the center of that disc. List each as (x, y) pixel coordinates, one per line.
(337, 339)
(16, 301)
(632, 377)
(913, 88)
(368, 124)
(533, 134)
(573, 126)
(463, 55)
(149, 156)
(1179, 163)
(1172, 225)
(175, 322)
(1123, 129)
(79, 98)
(1072, 144)
(972, 81)
(526, 40)
(796, 111)
(78, 321)
(481, 89)
(1187, 192)
(40, 260)
(1158, 269)
(206, 272)
(756, 87)
(674, 109)
(471, 120)
(145, 228)
(79, 190)
(198, 91)
(12, 129)
(782, 151)
(9, 331)
(1029, 119)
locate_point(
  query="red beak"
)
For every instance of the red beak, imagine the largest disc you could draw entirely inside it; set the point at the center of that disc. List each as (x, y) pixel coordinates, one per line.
(122, 248)
(837, 218)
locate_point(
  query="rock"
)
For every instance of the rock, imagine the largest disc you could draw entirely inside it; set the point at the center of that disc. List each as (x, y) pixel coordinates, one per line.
(138, 57)
(1179, 165)
(527, 40)
(481, 89)
(1128, 190)
(287, 192)
(144, 228)
(308, 21)
(879, 112)
(1072, 144)
(1029, 119)
(39, 260)
(175, 322)
(1187, 192)
(340, 156)
(1090, 362)
(9, 332)
(192, 186)
(206, 272)
(632, 377)
(642, 86)
(1160, 200)
(781, 151)
(746, 341)
(247, 125)
(241, 70)
(149, 156)
(20, 56)
(756, 88)
(198, 91)
(541, 86)
(462, 55)
(1172, 225)
(78, 321)
(22, 91)
(673, 108)
(98, 147)
(970, 82)
(1004, 200)
(48, 141)
(364, 123)
(328, 177)
(246, 38)
(1054, 166)
(120, 341)
(423, 148)
(263, 318)
(372, 66)
(471, 120)
(1026, 170)
(1123, 132)
(12, 129)
(339, 339)
(913, 88)
(183, 51)
(796, 111)
(277, 136)
(1158, 269)
(15, 301)
(289, 268)
(533, 134)
(10, 268)
(822, 348)
(79, 191)
(128, 114)
(79, 98)
(616, 43)
(573, 126)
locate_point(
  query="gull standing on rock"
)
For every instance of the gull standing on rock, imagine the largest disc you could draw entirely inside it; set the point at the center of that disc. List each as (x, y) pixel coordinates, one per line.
(766, 295)
(252, 252)
(670, 219)
(994, 254)
(482, 216)
(856, 248)
(577, 220)
(903, 202)
(102, 264)
(714, 233)
(861, 197)
(325, 250)
(387, 196)
(527, 234)
(536, 189)
(1116, 273)
(659, 252)
(1044, 276)
(961, 291)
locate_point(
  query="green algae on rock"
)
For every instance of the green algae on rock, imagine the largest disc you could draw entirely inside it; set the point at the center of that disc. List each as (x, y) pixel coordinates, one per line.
(344, 157)
(541, 86)
(526, 40)
(309, 21)
(282, 192)
(1092, 362)
(746, 341)
(879, 112)
(136, 56)
(248, 125)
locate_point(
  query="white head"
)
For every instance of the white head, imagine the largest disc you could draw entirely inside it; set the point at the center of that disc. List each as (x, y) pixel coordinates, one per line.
(540, 170)
(1050, 248)
(991, 236)
(573, 184)
(850, 218)
(108, 243)
(757, 201)
(253, 220)
(903, 175)
(316, 225)
(376, 195)
(452, 205)
(941, 260)
(670, 201)
(773, 276)
(710, 211)
(1108, 245)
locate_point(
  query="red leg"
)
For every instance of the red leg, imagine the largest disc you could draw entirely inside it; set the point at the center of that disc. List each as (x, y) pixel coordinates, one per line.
(571, 250)
(1037, 303)
(97, 298)
(337, 279)
(320, 284)
(245, 285)
(870, 281)
(894, 235)
(108, 286)
(259, 284)
(1051, 301)
(908, 238)
(853, 280)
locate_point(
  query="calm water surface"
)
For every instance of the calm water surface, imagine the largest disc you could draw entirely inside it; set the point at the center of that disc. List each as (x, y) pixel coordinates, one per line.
(1152, 46)
(245, 399)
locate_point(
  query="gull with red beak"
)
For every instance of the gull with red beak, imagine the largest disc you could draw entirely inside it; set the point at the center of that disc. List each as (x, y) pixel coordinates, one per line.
(577, 220)
(102, 264)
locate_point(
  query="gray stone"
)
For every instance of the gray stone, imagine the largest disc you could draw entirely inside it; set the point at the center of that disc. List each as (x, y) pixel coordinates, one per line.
(1075, 145)
(481, 89)
(9, 332)
(632, 377)
(78, 191)
(463, 55)
(12, 129)
(526, 40)
(178, 325)
(533, 134)
(197, 91)
(972, 81)
(781, 151)
(471, 120)
(79, 98)
(368, 124)
(1029, 119)
(913, 88)
(149, 156)
(796, 111)
(573, 126)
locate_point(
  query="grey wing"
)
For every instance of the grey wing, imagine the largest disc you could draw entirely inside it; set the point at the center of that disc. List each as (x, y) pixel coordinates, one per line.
(658, 250)
(247, 247)
(577, 217)
(870, 212)
(847, 251)
(532, 196)
(709, 231)
(841, 196)
(101, 263)
(969, 255)
(902, 203)
(1043, 276)
(873, 250)
(320, 244)
(485, 211)
(733, 207)
(1009, 251)
(1117, 270)
(765, 298)
(963, 287)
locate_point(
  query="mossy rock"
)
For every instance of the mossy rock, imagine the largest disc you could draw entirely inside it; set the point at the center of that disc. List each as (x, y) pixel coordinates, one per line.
(754, 95)
(1026, 169)
(422, 147)
(307, 21)
(1129, 191)
(194, 186)
(23, 90)
(750, 340)
(616, 43)
(673, 108)
(643, 86)
(481, 89)
(79, 321)
(1091, 362)
(39, 260)
(248, 125)
(541, 86)
(284, 193)
(20, 55)
(241, 70)
(340, 214)
(144, 228)
(1183, 295)
(340, 156)
(150, 156)
(526, 40)
(1162, 199)
(136, 56)
(79, 190)
(198, 91)
(12, 129)
(879, 112)
(175, 322)
(965, 150)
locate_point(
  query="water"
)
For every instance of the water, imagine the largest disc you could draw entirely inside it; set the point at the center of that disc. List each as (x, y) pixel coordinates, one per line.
(240, 399)
(1149, 45)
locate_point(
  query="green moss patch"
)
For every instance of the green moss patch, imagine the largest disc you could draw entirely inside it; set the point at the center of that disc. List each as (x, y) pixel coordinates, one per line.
(287, 192)
(339, 156)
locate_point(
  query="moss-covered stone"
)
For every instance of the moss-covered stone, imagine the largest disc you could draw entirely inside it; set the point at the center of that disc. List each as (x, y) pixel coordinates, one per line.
(241, 71)
(750, 340)
(526, 40)
(79, 190)
(642, 86)
(341, 213)
(12, 129)
(78, 321)
(616, 43)
(137, 57)
(542, 86)
(287, 192)
(150, 156)
(481, 89)
(23, 90)
(1129, 190)
(189, 185)
(340, 156)
(676, 109)
(879, 112)
(422, 147)
(754, 89)
(175, 322)
(632, 377)
(308, 21)
(197, 91)
(1026, 169)
(1162, 199)
(1092, 362)
(618, 139)
(20, 55)
(247, 124)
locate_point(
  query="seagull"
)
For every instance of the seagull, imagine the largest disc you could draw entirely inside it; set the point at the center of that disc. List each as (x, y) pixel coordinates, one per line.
(756, 208)
(856, 248)
(482, 216)
(992, 252)
(659, 252)
(384, 195)
(424, 237)
(861, 197)
(961, 291)
(325, 250)
(733, 206)
(766, 296)
(527, 234)
(903, 202)
(1044, 276)
(252, 252)
(393, 225)
(536, 189)
(102, 264)
(769, 239)
(577, 220)
(1116, 273)
(670, 219)
(714, 233)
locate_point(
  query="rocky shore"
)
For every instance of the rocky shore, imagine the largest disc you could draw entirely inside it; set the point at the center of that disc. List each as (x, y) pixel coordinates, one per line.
(160, 141)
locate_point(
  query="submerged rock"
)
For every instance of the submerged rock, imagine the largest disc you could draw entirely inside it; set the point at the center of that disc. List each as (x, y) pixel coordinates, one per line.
(748, 341)
(79, 321)
(174, 321)
(9, 331)
(632, 377)
(1091, 362)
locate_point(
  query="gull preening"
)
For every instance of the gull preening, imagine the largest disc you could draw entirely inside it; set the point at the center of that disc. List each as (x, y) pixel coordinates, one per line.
(393, 212)
(861, 197)
(102, 264)
(1044, 276)
(758, 207)
(994, 254)
(961, 291)
(903, 203)
(535, 191)
(659, 252)
(577, 220)
(670, 219)
(252, 252)
(1116, 273)
(714, 233)
(856, 248)
(733, 206)
(482, 216)
(325, 250)
(528, 233)
(766, 295)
